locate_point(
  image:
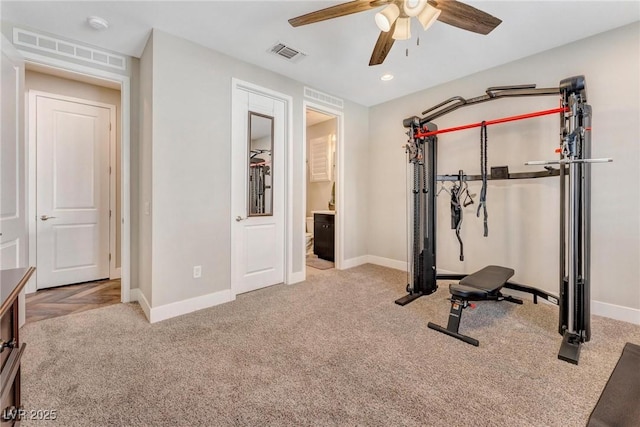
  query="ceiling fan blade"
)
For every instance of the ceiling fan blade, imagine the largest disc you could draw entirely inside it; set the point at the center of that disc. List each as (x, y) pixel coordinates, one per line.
(336, 11)
(383, 46)
(464, 16)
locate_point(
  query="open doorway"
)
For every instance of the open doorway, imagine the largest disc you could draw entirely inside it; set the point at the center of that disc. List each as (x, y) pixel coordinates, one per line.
(74, 130)
(321, 238)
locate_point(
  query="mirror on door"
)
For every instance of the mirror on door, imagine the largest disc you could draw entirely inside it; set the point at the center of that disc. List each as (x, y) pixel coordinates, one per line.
(260, 165)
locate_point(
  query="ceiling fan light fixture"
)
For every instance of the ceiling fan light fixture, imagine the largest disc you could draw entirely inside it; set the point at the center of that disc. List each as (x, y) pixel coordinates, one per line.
(403, 29)
(428, 16)
(386, 17)
(413, 7)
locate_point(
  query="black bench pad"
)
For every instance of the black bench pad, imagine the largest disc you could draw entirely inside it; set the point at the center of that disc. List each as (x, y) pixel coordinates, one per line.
(483, 284)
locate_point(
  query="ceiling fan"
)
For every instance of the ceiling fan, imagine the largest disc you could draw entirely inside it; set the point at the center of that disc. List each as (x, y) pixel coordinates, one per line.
(394, 20)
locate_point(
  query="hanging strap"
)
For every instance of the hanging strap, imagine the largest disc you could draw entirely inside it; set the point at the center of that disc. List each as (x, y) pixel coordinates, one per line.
(483, 171)
(456, 215)
(460, 198)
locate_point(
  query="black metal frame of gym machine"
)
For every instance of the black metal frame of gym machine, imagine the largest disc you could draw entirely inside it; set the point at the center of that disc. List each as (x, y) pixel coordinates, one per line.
(575, 205)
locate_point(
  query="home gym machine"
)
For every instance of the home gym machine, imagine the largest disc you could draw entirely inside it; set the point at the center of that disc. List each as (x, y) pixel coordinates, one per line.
(575, 208)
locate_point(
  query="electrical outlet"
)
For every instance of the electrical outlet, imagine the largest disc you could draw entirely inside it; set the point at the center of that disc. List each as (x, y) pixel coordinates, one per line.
(197, 271)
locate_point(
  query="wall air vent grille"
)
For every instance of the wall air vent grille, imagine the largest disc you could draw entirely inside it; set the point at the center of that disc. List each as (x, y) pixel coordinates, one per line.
(323, 97)
(287, 52)
(70, 50)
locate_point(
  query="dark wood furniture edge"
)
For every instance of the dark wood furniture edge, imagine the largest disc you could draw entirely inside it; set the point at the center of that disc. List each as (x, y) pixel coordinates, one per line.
(8, 302)
(13, 364)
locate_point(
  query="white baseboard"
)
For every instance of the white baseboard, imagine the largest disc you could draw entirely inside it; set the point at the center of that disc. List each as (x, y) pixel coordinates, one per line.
(354, 262)
(387, 262)
(295, 278)
(115, 274)
(174, 309)
(441, 271)
(157, 314)
(137, 295)
(598, 308)
(617, 312)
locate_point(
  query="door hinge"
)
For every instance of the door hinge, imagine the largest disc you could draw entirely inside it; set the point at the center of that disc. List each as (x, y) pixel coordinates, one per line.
(109, 125)
(109, 257)
(109, 170)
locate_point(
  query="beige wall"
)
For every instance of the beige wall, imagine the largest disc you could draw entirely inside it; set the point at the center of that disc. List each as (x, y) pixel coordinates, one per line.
(143, 170)
(181, 164)
(523, 215)
(319, 193)
(134, 172)
(190, 171)
(62, 86)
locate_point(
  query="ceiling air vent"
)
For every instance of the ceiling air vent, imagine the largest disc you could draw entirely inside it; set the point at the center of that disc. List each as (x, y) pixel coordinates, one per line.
(56, 46)
(323, 97)
(287, 52)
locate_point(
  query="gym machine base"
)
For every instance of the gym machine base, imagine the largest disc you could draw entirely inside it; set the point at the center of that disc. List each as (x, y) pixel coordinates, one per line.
(575, 209)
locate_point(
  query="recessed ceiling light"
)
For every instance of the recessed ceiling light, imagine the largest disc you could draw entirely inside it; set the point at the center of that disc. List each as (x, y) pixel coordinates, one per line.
(97, 23)
(386, 77)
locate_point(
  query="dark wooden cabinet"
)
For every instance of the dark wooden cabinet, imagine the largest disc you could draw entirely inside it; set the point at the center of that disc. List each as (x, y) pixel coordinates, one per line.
(324, 236)
(11, 283)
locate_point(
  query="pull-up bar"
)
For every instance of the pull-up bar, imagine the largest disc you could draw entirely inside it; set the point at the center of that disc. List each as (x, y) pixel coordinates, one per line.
(493, 122)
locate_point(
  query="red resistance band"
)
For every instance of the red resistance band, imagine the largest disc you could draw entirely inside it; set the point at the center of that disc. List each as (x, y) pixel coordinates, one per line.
(421, 134)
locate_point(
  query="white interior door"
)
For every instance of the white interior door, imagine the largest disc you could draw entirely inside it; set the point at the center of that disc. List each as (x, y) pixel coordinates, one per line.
(72, 140)
(258, 191)
(13, 220)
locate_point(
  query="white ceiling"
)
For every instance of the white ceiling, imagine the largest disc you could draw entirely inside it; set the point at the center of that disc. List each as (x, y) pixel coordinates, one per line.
(338, 50)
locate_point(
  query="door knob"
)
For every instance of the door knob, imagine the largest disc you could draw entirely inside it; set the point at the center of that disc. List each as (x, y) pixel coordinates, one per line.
(239, 218)
(46, 217)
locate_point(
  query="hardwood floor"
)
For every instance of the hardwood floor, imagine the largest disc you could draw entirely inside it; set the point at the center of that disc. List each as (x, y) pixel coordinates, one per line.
(54, 302)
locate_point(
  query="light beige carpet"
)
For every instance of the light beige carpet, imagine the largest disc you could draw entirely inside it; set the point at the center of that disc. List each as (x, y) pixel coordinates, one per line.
(334, 350)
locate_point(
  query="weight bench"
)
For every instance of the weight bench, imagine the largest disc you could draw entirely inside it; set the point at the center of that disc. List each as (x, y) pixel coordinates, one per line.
(483, 285)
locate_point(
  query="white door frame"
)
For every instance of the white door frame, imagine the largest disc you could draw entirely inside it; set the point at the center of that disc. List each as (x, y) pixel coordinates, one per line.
(125, 162)
(236, 86)
(32, 98)
(114, 271)
(339, 215)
